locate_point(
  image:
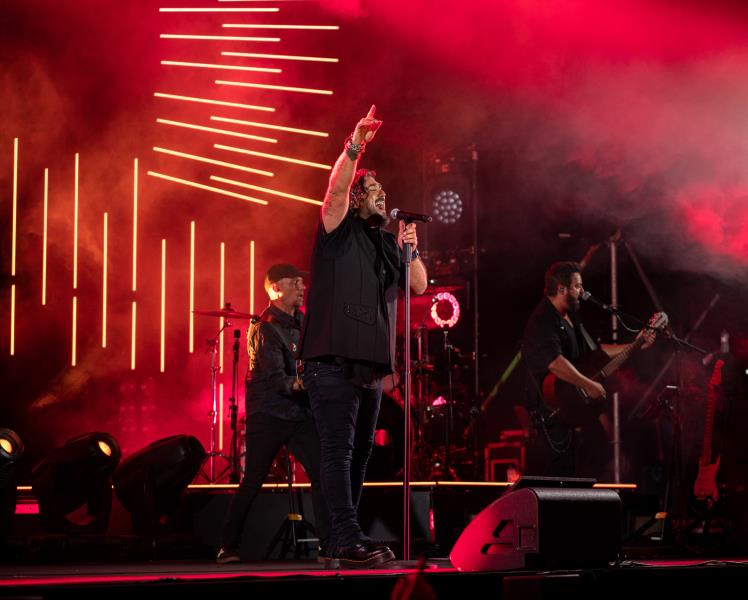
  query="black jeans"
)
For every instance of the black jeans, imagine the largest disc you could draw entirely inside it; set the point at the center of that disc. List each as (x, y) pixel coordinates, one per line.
(346, 417)
(265, 436)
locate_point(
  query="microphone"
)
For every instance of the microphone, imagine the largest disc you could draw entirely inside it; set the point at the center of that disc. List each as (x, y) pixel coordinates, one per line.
(587, 297)
(404, 215)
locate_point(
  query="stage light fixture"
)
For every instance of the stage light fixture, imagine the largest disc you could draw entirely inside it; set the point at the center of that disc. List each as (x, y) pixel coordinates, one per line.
(151, 482)
(447, 206)
(73, 484)
(445, 310)
(11, 450)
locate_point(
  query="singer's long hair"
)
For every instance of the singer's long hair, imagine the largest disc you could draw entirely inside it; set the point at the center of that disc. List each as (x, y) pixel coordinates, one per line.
(358, 189)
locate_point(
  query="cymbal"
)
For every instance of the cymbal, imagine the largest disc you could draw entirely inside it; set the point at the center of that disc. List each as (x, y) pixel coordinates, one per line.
(224, 312)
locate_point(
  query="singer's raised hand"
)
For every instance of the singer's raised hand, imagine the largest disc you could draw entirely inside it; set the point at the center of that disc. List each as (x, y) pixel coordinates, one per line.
(367, 127)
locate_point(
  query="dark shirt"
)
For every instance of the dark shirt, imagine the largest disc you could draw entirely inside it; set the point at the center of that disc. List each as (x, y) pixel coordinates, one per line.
(272, 367)
(352, 299)
(548, 335)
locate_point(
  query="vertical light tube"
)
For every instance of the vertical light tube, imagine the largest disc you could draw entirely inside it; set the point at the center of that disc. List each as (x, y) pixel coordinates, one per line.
(132, 337)
(135, 225)
(220, 416)
(133, 327)
(252, 277)
(15, 209)
(104, 281)
(73, 357)
(220, 346)
(192, 286)
(75, 224)
(13, 250)
(163, 304)
(12, 319)
(44, 237)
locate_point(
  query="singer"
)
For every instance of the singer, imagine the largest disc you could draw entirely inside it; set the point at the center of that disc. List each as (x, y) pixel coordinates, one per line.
(554, 339)
(348, 341)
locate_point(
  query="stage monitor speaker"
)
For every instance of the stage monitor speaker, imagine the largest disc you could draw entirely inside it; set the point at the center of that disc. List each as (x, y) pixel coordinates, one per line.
(543, 522)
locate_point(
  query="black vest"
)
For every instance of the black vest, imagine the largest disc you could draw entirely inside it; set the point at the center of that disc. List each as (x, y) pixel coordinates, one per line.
(351, 306)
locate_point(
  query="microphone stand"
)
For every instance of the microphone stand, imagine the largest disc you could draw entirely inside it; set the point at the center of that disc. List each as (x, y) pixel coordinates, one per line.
(408, 252)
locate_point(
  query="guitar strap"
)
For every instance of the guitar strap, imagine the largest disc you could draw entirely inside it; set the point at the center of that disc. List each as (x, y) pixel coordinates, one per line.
(587, 338)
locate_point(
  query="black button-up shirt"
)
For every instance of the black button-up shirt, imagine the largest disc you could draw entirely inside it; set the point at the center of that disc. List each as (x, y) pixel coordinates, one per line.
(272, 367)
(548, 335)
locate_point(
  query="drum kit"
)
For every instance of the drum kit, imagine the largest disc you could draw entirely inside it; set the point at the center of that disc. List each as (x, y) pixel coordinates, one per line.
(436, 450)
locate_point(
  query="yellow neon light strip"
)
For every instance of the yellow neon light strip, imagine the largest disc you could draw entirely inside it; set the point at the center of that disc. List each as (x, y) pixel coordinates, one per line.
(223, 38)
(211, 101)
(132, 338)
(207, 187)
(281, 57)
(175, 63)
(135, 225)
(220, 415)
(214, 130)
(220, 163)
(75, 225)
(268, 126)
(217, 10)
(104, 282)
(75, 331)
(252, 277)
(44, 236)
(163, 305)
(15, 208)
(192, 286)
(266, 190)
(12, 319)
(220, 303)
(295, 161)
(314, 27)
(281, 88)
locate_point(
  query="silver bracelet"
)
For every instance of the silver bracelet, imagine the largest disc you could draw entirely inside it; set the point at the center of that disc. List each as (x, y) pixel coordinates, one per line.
(354, 150)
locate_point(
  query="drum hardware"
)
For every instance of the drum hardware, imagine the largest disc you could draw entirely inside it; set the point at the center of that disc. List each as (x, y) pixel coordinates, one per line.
(233, 459)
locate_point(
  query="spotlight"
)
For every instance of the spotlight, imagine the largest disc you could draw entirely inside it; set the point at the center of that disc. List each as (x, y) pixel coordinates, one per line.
(151, 482)
(73, 484)
(11, 449)
(447, 206)
(445, 310)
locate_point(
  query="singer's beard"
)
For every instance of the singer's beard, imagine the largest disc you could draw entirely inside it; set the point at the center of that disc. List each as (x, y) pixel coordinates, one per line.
(377, 220)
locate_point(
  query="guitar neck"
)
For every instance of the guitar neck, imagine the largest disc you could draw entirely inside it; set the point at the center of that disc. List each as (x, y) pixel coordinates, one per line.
(620, 358)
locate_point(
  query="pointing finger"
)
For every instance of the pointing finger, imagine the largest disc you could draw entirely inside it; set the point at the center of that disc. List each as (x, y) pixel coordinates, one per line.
(372, 110)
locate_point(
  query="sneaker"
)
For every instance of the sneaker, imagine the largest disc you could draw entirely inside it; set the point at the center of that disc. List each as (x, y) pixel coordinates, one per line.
(363, 556)
(227, 555)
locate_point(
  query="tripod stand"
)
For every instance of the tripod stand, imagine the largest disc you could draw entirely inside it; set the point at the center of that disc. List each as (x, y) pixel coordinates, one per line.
(295, 529)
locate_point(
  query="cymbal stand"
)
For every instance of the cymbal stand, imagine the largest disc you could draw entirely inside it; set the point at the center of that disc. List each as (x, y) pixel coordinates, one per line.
(212, 348)
(233, 466)
(422, 454)
(449, 421)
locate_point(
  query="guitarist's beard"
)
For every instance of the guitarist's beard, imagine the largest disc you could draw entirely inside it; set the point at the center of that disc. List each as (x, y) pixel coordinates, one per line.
(573, 303)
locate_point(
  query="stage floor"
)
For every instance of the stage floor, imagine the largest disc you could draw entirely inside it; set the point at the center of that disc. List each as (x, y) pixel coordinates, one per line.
(306, 577)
